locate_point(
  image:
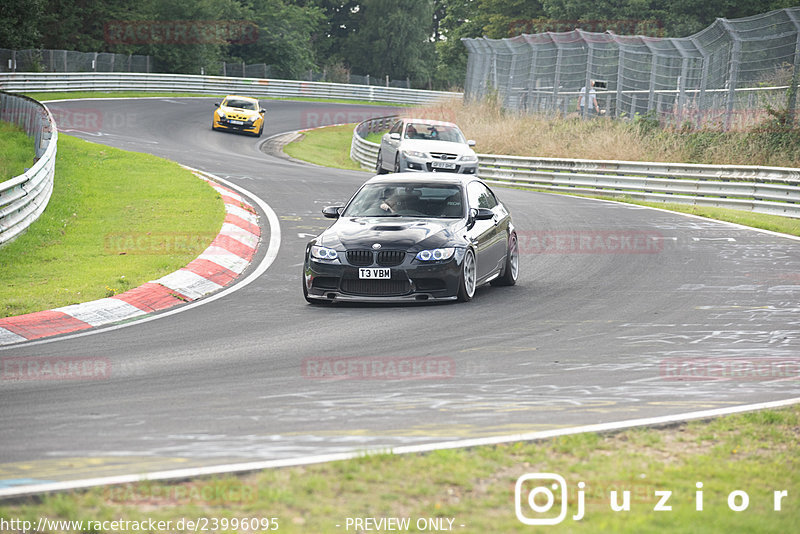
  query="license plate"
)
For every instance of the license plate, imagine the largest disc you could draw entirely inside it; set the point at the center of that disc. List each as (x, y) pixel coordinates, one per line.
(374, 273)
(237, 122)
(443, 165)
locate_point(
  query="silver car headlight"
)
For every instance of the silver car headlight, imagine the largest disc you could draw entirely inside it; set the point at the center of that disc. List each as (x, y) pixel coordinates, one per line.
(220, 113)
(469, 158)
(436, 254)
(324, 253)
(414, 154)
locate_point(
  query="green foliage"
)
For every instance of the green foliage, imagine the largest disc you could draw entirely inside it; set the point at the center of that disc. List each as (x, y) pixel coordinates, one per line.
(18, 20)
(16, 151)
(397, 36)
(416, 39)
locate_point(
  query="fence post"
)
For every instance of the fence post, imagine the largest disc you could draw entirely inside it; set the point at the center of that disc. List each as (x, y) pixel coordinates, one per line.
(733, 71)
(557, 77)
(792, 93)
(587, 79)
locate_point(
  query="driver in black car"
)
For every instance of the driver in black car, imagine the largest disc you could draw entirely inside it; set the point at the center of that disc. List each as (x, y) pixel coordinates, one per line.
(398, 200)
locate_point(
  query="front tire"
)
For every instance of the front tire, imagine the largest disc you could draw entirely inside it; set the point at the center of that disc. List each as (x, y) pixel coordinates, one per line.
(511, 271)
(379, 166)
(469, 275)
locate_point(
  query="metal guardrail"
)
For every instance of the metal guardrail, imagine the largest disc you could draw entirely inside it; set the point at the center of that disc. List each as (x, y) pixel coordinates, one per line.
(24, 198)
(213, 85)
(770, 190)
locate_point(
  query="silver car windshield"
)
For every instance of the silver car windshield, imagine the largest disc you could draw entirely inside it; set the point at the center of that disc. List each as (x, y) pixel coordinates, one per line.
(434, 132)
(407, 200)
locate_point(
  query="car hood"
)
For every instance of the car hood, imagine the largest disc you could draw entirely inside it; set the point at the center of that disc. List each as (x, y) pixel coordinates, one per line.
(391, 233)
(449, 147)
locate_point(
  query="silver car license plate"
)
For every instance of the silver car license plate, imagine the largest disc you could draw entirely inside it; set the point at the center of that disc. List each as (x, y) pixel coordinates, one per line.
(237, 122)
(443, 165)
(374, 273)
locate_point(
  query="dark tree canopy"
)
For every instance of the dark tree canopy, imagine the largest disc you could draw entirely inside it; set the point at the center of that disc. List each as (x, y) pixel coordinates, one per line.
(416, 39)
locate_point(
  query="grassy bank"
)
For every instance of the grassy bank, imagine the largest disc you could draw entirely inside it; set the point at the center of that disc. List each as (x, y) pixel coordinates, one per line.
(16, 151)
(115, 220)
(325, 146)
(757, 453)
(499, 132)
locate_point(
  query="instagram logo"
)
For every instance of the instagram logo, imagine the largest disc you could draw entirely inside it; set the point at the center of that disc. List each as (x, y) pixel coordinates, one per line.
(540, 499)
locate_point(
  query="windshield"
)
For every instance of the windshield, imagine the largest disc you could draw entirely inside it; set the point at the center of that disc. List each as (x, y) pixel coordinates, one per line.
(241, 104)
(407, 200)
(434, 132)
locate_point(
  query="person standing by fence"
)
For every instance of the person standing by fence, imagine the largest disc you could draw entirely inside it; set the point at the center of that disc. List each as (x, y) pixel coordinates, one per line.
(591, 94)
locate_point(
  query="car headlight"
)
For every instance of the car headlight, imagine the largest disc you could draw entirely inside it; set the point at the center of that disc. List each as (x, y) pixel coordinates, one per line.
(468, 158)
(414, 154)
(324, 253)
(220, 113)
(252, 119)
(436, 254)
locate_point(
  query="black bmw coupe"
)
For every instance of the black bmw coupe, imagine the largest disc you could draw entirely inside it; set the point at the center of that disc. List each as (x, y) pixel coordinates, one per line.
(412, 237)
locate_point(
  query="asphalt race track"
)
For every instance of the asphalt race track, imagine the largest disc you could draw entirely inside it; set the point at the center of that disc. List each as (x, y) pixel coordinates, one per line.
(589, 334)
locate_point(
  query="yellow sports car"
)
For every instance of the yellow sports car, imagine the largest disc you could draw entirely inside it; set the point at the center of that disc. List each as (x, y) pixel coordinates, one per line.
(239, 114)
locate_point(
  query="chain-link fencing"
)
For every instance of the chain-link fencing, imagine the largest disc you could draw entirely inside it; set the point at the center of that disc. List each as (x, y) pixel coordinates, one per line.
(725, 76)
(71, 61)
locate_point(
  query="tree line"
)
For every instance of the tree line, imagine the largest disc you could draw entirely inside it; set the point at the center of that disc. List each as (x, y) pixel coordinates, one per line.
(402, 39)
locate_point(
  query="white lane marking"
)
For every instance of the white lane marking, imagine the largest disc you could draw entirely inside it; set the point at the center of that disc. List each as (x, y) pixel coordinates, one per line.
(408, 449)
(269, 257)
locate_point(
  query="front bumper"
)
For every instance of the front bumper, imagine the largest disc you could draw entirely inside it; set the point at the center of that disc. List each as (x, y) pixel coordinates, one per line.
(408, 163)
(411, 281)
(226, 124)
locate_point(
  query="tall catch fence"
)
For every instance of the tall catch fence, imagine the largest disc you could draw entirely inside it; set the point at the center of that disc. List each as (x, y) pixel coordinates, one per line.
(725, 76)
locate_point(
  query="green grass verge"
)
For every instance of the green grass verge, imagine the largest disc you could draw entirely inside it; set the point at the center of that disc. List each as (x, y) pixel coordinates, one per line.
(324, 146)
(375, 137)
(16, 151)
(758, 453)
(115, 220)
(69, 95)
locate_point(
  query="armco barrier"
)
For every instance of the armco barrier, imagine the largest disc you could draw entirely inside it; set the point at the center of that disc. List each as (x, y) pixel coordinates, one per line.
(770, 190)
(24, 198)
(213, 85)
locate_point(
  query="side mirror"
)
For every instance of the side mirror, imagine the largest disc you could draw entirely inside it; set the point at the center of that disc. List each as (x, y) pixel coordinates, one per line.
(216, 104)
(483, 214)
(395, 136)
(331, 212)
(471, 142)
(262, 111)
